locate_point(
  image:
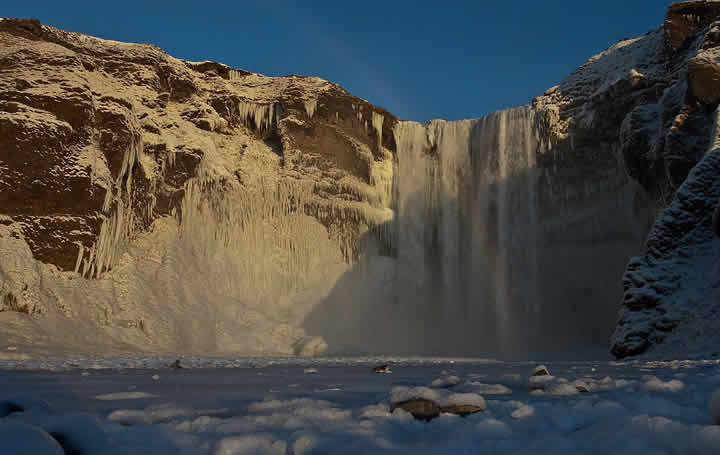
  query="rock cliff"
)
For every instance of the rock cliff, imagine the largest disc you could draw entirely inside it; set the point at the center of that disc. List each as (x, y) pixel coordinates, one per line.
(135, 188)
(151, 203)
(672, 291)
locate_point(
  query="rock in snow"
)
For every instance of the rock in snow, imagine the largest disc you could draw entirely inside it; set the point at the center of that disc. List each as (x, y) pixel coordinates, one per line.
(426, 404)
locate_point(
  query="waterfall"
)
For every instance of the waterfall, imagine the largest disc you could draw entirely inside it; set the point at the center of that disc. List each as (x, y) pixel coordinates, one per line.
(498, 246)
(466, 222)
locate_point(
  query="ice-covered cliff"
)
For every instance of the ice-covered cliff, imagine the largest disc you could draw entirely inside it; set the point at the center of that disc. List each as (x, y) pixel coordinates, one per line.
(151, 203)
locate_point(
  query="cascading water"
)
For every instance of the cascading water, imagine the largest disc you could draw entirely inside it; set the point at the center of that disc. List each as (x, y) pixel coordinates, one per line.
(466, 222)
(491, 253)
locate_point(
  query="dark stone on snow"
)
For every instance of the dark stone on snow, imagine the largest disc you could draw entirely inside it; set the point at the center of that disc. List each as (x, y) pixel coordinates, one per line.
(8, 407)
(420, 408)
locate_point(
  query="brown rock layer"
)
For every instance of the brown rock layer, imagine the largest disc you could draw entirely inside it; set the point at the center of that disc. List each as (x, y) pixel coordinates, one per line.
(685, 19)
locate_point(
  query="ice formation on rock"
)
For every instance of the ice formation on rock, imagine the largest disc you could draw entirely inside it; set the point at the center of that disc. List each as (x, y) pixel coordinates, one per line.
(260, 117)
(377, 123)
(310, 107)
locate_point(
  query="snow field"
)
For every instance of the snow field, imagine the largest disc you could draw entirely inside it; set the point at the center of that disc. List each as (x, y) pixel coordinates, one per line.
(267, 406)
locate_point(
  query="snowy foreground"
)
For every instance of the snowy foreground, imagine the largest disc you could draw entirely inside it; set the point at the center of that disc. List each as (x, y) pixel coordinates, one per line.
(294, 406)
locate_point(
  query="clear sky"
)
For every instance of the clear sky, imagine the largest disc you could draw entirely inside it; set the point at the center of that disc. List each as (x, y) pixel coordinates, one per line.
(418, 59)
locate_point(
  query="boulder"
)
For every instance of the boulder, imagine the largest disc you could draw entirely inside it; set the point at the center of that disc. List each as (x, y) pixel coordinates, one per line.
(420, 408)
(540, 370)
(684, 19)
(704, 77)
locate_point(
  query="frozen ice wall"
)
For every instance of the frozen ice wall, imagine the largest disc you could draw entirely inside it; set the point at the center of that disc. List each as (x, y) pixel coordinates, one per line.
(491, 253)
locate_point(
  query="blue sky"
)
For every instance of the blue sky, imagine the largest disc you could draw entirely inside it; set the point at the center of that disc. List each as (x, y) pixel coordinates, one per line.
(418, 59)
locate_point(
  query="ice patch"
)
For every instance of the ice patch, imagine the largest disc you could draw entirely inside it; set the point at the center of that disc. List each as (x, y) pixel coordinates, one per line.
(123, 396)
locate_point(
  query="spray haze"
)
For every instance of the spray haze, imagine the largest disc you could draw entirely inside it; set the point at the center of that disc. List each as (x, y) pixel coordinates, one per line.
(488, 253)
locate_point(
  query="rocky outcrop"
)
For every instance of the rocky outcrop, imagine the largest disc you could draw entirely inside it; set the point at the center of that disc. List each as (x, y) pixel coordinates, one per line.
(127, 175)
(684, 19)
(671, 291)
(651, 102)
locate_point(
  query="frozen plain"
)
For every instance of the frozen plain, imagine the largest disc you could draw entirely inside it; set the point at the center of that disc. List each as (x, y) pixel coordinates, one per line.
(313, 406)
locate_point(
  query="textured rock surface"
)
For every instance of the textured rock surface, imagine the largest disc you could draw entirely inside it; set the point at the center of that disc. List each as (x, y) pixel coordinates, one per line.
(130, 179)
(685, 19)
(671, 293)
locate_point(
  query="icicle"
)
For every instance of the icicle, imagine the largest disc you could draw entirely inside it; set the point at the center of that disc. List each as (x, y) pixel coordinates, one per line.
(259, 116)
(235, 74)
(377, 123)
(310, 106)
(81, 250)
(108, 199)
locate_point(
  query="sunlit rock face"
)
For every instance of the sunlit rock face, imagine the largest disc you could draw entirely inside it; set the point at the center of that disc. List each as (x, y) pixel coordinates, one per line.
(151, 203)
(685, 19)
(148, 202)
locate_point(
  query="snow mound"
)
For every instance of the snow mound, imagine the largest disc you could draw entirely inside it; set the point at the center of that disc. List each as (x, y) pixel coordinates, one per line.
(523, 412)
(445, 382)
(21, 439)
(654, 384)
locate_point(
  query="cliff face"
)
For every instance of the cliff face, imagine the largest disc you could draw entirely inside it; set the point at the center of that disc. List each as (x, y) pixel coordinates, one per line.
(151, 203)
(671, 292)
(135, 188)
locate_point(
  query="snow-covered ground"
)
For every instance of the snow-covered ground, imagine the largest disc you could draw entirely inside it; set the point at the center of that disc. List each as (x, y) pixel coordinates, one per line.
(299, 406)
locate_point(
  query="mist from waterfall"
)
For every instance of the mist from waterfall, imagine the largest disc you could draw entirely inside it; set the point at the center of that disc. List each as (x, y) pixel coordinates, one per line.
(488, 253)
